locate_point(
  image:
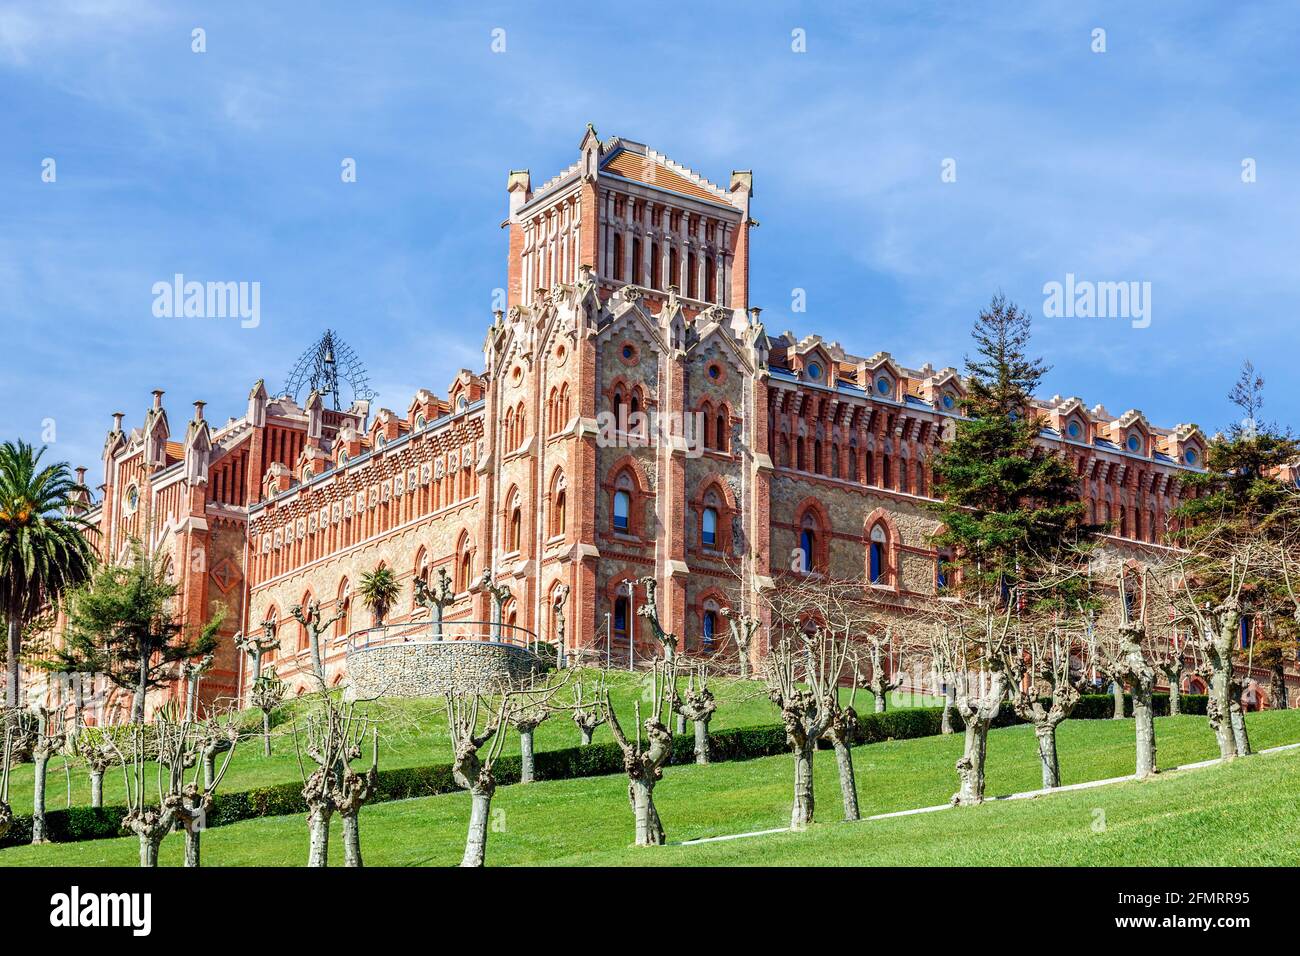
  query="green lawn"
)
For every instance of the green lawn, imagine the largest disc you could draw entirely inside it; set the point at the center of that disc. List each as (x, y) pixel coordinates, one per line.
(1246, 812)
(414, 733)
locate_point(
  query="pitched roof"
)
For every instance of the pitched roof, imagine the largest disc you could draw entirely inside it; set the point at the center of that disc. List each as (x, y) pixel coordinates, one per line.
(638, 162)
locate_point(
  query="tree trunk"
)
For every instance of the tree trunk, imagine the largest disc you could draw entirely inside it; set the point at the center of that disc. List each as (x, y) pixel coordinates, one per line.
(96, 788)
(649, 830)
(848, 783)
(702, 741)
(1051, 764)
(586, 734)
(744, 663)
(141, 688)
(526, 762)
(1117, 690)
(880, 702)
(192, 835)
(149, 849)
(39, 767)
(317, 665)
(351, 840)
(1277, 686)
(970, 768)
(945, 722)
(266, 732)
(318, 826)
(476, 841)
(1240, 739)
(12, 669)
(209, 768)
(681, 723)
(801, 813)
(1219, 710)
(1175, 697)
(1144, 720)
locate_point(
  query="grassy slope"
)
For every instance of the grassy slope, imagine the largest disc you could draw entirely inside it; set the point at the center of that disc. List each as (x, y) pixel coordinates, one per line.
(1205, 816)
(414, 734)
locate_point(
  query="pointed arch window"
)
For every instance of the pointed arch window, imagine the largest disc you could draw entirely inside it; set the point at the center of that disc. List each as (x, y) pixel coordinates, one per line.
(808, 545)
(877, 562)
(514, 538)
(709, 528)
(620, 614)
(622, 510)
(559, 507)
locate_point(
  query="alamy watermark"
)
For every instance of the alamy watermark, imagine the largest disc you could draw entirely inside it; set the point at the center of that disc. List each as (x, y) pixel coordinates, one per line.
(208, 300)
(1084, 299)
(645, 429)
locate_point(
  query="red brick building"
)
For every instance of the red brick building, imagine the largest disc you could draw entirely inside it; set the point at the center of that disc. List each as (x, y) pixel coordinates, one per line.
(632, 417)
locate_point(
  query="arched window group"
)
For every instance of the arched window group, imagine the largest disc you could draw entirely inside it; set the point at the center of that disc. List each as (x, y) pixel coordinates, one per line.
(559, 506)
(557, 409)
(715, 424)
(514, 522)
(514, 427)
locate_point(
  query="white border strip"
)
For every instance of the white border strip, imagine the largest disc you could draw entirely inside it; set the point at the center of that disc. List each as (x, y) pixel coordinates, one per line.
(1024, 795)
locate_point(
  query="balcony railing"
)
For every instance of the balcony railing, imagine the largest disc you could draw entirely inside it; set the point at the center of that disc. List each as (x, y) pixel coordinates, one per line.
(427, 632)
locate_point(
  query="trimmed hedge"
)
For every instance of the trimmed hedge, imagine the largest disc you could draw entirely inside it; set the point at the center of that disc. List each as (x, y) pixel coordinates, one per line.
(596, 760)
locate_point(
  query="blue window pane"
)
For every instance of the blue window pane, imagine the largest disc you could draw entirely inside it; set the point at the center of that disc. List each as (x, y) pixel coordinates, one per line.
(877, 563)
(709, 527)
(806, 546)
(622, 507)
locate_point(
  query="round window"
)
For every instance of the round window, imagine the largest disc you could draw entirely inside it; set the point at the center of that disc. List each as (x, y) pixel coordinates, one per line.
(132, 498)
(1134, 443)
(814, 371)
(948, 401)
(1074, 430)
(715, 371)
(884, 386)
(1190, 456)
(628, 351)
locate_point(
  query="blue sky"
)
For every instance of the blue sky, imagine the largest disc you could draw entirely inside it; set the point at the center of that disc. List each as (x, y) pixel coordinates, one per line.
(1117, 166)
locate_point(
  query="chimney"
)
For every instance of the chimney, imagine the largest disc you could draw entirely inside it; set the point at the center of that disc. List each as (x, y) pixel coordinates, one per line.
(117, 421)
(198, 411)
(157, 397)
(81, 476)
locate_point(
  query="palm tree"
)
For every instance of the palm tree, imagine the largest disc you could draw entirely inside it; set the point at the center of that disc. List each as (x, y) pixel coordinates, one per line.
(43, 546)
(379, 590)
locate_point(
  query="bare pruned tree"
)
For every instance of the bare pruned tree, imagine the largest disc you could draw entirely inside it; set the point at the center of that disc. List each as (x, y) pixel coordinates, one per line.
(331, 739)
(267, 694)
(644, 758)
(531, 703)
(803, 677)
(698, 706)
(48, 740)
(650, 611)
(98, 749)
(472, 764)
(164, 742)
(258, 646)
(9, 732)
(315, 624)
(741, 628)
(436, 599)
(1208, 590)
(972, 642)
(842, 732)
(587, 714)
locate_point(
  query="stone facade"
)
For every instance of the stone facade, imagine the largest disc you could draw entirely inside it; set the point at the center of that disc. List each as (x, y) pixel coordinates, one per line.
(434, 668)
(633, 417)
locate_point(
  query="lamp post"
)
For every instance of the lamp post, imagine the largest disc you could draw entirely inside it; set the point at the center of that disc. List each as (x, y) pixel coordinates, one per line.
(631, 625)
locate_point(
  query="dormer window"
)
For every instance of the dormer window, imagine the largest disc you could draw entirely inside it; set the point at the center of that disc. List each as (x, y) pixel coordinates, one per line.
(420, 421)
(380, 441)
(1074, 430)
(1191, 456)
(462, 403)
(814, 371)
(343, 458)
(884, 385)
(948, 401)
(1135, 442)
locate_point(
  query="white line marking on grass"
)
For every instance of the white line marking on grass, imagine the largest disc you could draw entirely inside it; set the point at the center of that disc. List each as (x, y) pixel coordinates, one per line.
(1023, 795)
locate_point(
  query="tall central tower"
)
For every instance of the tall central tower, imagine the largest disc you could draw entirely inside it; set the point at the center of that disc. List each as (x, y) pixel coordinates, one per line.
(634, 217)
